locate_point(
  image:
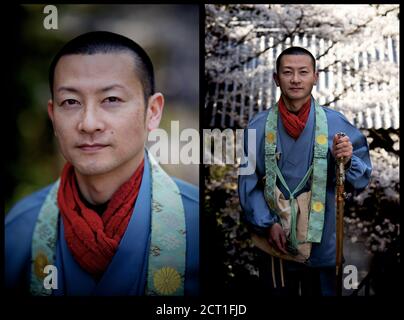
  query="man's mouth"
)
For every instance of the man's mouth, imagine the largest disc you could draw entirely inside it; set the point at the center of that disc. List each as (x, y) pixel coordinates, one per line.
(87, 147)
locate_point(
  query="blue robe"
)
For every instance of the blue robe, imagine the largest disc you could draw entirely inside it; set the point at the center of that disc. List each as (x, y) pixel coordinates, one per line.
(127, 272)
(295, 158)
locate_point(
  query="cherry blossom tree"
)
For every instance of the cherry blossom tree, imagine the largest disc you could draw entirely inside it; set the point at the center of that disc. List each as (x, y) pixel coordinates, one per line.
(356, 47)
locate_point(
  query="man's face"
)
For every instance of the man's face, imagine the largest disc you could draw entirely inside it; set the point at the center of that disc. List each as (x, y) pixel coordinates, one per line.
(98, 111)
(296, 77)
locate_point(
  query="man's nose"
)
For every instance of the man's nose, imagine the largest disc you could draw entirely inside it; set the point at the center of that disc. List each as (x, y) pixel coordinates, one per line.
(90, 120)
(295, 78)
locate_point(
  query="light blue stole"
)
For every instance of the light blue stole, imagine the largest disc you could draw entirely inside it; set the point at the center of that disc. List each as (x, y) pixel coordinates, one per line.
(318, 171)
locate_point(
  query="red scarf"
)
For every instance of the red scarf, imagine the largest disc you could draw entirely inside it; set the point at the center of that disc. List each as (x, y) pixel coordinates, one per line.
(294, 123)
(93, 239)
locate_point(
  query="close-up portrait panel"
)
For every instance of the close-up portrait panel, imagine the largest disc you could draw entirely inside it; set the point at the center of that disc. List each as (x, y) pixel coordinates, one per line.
(102, 176)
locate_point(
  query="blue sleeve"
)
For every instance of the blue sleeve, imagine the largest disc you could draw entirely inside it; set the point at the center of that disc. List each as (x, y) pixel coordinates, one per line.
(190, 198)
(19, 227)
(251, 186)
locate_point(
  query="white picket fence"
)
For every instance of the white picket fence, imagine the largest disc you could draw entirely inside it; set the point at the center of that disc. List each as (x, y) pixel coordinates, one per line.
(233, 104)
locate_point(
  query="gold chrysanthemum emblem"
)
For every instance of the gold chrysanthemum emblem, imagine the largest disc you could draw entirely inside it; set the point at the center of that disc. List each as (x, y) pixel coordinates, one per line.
(166, 280)
(271, 137)
(40, 262)
(321, 139)
(317, 206)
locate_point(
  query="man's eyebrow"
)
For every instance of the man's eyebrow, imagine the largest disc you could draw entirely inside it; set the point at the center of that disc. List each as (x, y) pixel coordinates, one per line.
(289, 67)
(68, 89)
(112, 86)
(105, 89)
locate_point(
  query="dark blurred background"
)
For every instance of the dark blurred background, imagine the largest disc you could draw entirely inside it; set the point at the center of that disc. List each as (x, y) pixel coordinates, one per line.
(170, 35)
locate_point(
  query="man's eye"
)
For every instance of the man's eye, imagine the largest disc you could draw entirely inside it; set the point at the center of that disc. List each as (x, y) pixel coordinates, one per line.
(69, 102)
(112, 99)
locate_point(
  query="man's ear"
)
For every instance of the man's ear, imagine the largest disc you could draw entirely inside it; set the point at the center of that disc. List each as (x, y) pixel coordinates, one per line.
(276, 78)
(315, 77)
(50, 113)
(154, 111)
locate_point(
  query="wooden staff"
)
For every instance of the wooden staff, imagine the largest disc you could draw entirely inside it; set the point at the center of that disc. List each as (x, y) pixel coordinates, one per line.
(340, 202)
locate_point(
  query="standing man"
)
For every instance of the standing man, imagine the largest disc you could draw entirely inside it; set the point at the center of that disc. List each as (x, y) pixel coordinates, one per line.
(289, 200)
(114, 223)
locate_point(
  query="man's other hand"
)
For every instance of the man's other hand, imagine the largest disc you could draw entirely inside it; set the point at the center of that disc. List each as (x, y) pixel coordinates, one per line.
(277, 238)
